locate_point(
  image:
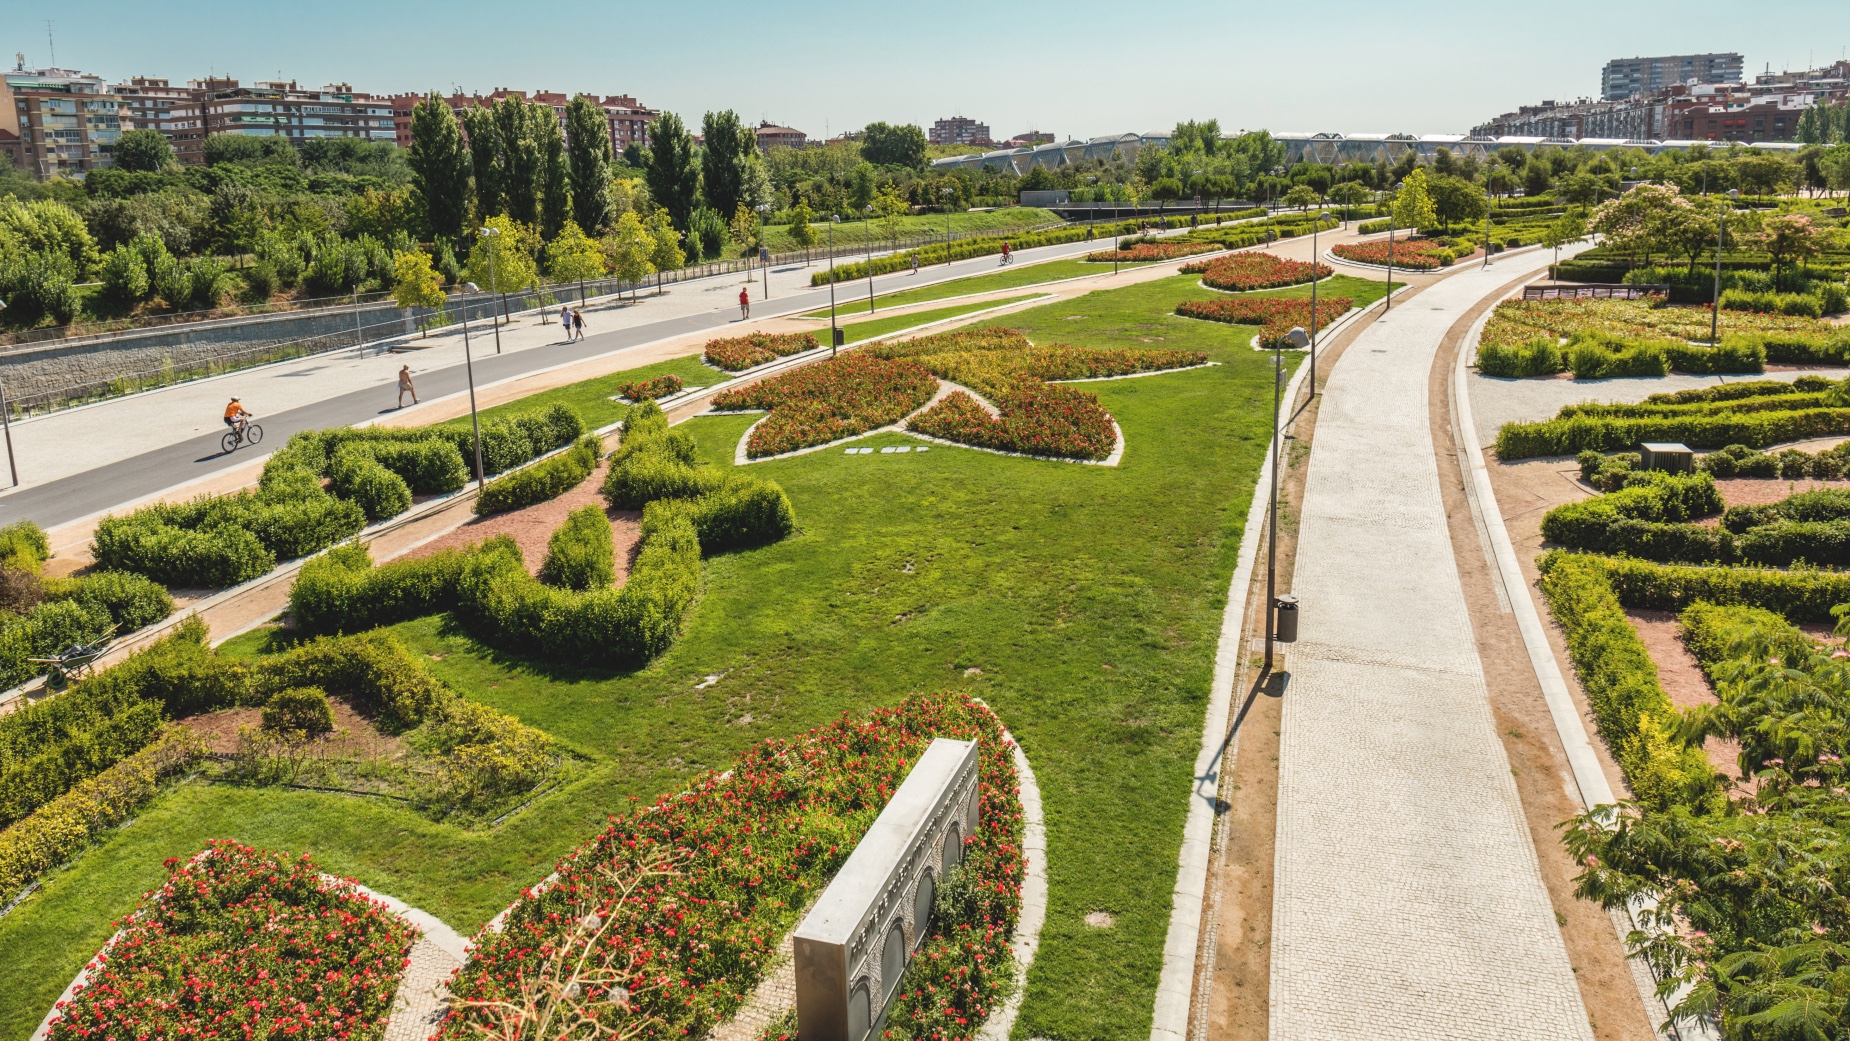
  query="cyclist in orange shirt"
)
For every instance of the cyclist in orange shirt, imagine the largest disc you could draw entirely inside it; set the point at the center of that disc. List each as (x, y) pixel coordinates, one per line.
(236, 416)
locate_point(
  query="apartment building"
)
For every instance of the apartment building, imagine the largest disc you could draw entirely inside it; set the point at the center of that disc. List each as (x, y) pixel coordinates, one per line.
(60, 123)
(773, 136)
(1632, 77)
(279, 108)
(959, 130)
(627, 118)
(155, 104)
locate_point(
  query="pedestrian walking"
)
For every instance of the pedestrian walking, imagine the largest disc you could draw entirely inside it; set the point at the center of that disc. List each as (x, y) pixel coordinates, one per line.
(745, 304)
(915, 263)
(405, 386)
(578, 323)
(565, 319)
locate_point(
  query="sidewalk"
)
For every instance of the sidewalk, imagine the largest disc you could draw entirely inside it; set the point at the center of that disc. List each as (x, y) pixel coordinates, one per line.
(1408, 902)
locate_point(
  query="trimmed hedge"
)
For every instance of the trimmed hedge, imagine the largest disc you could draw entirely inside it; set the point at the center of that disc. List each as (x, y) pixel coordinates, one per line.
(1716, 634)
(1818, 543)
(1609, 433)
(299, 708)
(546, 479)
(1742, 461)
(341, 590)
(1659, 497)
(355, 475)
(1801, 595)
(1635, 716)
(581, 554)
(23, 545)
(77, 611)
(1540, 356)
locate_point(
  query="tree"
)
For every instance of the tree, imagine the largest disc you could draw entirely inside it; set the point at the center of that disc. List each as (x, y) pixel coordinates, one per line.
(1413, 206)
(1569, 227)
(439, 167)
(1765, 174)
(1457, 201)
(573, 256)
(554, 199)
(238, 218)
(588, 164)
(1636, 221)
(143, 151)
(632, 250)
(706, 233)
(1300, 197)
(503, 262)
(414, 282)
(889, 207)
(1790, 237)
(672, 173)
(519, 159)
(861, 186)
(1349, 194)
(485, 160)
(1165, 190)
(725, 160)
(1536, 179)
(744, 228)
(800, 230)
(886, 145)
(667, 255)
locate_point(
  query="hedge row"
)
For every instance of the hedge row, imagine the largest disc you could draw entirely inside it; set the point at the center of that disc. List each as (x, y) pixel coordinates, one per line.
(1802, 595)
(62, 827)
(1608, 433)
(581, 555)
(544, 480)
(1658, 497)
(77, 610)
(1596, 355)
(1716, 634)
(1792, 464)
(1634, 714)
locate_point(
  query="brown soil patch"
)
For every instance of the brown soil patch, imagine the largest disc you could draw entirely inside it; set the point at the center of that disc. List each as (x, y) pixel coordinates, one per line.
(1683, 679)
(354, 736)
(533, 526)
(1756, 491)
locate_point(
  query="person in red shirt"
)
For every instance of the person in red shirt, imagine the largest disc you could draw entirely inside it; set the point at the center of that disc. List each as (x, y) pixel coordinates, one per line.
(745, 304)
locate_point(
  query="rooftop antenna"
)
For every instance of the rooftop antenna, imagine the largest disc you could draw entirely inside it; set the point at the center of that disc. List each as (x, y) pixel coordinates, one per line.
(51, 44)
(19, 61)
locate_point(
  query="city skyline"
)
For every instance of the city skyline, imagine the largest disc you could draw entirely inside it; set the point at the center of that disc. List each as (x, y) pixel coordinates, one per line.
(1437, 87)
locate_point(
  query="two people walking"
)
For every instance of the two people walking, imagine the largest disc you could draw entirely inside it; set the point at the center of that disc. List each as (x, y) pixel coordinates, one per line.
(574, 323)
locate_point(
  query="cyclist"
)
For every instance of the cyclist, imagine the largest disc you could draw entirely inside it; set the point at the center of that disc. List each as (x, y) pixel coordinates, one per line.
(1006, 256)
(237, 417)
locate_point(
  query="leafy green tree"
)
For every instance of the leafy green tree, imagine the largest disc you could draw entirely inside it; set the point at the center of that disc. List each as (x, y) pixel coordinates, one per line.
(1765, 174)
(439, 167)
(1567, 228)
(800, 230)
(503, 262)
(124, 277)
(143, 151)
(744, 230)
(886, 145)
(726, 156)
(554, 199)
(667, 254)
(238, 218)
(588, 164)
(672, 172)
(274, 150)
(632, 249)
(889, 209)
(861, 182)
(1789, 238)
(1537, 180)
(1456, 200)
(573, 256)
(519, 161)
(1348, 194)
(1580, 189)
(707, 232)
(1300, 197)
(485, 160)
(1413, 206)
(415, 283)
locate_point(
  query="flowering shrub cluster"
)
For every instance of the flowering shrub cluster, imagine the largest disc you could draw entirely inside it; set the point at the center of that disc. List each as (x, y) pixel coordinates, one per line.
(1275, 315)
(839, 398)
(241, 943)
(1413, 254)
(1518, 321)
(1037, 417)
(650, 389)
(1244, 272)
(662, 925)
(743, 352)
(1146, 252)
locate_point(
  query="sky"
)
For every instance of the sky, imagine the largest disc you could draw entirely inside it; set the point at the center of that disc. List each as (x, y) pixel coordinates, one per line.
(1076, 69)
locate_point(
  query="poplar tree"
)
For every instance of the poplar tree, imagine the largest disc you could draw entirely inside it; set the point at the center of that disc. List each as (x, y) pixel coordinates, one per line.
(588, 159)
(549, 142)
(439, 167)
(518, 162)
(485, 160)
(672, 173)
(725, 160)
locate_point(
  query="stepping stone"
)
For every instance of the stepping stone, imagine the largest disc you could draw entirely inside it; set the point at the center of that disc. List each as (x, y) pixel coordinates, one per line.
(921, 449)
(903, 448)
(888, 450)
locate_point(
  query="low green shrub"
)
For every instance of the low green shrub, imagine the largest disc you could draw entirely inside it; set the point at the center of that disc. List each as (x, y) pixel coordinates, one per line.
(1783, 544)
(1716, 634)
(1800, 304)
(33, 781)
(341, 591)
(1792, 464)
(1824, 504)
(182, 557)
(1608, 473)
(1734, 391)
(23, 546)
(299, 708)
(1594, 362)
(356, 476)
(1802, 595)
(129, 601)
(1610, 433)
(740, 513)
(1657, 497)
(1540, 356)
(544, 480)
(373, 672)
(643, 477)
(581, 554)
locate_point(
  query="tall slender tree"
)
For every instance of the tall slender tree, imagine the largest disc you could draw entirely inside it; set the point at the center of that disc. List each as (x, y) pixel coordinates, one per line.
(439, 167)
(673, 174)
(485, 160)
(519, 160)
(554, 200)
(587, 163)
(725, 159)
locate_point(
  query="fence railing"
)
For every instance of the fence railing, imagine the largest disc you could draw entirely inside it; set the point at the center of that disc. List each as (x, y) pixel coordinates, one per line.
(114, 329)
(1593, 291)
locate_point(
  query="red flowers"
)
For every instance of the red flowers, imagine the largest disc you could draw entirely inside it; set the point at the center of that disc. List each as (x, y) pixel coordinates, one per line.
(1244, 272)
(1146, 252)
(650, 389)
(244, 943)
(743, 352)
(849, 395)
(663, 924)
(1275, 314)
(1414, 254)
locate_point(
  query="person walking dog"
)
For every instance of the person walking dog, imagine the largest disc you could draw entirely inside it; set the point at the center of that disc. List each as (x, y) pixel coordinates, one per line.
(405, 387)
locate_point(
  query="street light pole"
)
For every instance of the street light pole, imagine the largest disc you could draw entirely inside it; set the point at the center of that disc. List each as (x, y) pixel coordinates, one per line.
(6, 424)
(946, 194)
(1715, 303)
(1315, 225)
(764, 252)
(870, 258)
(1387, 302)
(488, 232)
(834, 333)
(475, 421)
(1298, 341)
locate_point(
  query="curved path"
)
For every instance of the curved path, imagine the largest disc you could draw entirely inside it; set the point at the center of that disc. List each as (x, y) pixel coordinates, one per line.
(1408, 902)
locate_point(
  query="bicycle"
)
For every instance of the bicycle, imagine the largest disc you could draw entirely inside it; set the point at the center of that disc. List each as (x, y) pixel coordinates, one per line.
(248, 434)
(74, 662)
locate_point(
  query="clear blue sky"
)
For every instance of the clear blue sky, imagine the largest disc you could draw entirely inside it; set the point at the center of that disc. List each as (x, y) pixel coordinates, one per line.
(1076, 68)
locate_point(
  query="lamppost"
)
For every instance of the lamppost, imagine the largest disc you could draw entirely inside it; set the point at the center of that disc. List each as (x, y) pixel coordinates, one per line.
(475, 421)
(494, 284)
(6, 424)
(834, 333)
(870, 258)
(1387, 302)
(764, 252)
(1297, 339)
(945, 194)
(1715, 303)
(1314, 226)
(1091, 208)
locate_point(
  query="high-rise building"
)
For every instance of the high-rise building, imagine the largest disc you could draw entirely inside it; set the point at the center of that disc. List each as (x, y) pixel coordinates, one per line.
(63, 123)
(959, 130)
(1628, 77)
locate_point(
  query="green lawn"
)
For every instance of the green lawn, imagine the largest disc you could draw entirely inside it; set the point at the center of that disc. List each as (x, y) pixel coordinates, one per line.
(1010, 277)
(853, 235)
(1083, 602)
(591, 398)
(878, 327)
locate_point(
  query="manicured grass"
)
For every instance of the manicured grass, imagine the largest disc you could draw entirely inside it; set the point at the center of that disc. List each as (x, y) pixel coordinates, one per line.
(882, 326)
(1008, 278)
(1082, 602)
(853, 235)
(591, 398)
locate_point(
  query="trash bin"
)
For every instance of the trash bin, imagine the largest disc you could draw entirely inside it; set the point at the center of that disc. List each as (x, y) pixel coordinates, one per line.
(1287, 630)
(841, 336)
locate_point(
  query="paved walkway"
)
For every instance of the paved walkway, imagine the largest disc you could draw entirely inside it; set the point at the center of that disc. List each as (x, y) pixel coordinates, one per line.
(1407, 902)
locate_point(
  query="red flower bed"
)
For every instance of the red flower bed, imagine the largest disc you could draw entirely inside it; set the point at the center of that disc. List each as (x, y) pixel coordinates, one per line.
(1146, 252)
(1036, 417)
(1245, 272)
(743, 352)
(240, 943)
(662, 925)
(650, 389)
(1274, 314)
(830, 400)
(1414, 254)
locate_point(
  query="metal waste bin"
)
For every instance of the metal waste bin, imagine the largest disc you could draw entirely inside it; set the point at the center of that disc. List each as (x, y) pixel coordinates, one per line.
(1287, 607)
(841, 336)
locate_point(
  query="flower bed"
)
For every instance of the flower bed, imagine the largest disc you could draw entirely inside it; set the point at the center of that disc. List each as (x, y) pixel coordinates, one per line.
(243, 943)
(1037, 418)
(1517, 321)
(849, 395)
(744, 352)
(1245, 272)
(650, 389)
(662, 925)
(1413, 254)
(1148, 252)
(1275, 315)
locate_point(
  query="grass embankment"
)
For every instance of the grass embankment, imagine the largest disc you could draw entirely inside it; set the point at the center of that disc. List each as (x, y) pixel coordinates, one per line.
(854, 235)
(1054, 591)
(1011, 277)
(884, 326)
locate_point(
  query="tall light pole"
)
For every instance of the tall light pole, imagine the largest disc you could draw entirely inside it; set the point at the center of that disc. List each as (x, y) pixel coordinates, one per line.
(1387, 302)
(6, 424)
(834, 333)
(764, 252)
(1715, 304)
(1298, 340)
(1314, 226)
(945, 194)
(870, 258)
(494, 284)
(475, 421)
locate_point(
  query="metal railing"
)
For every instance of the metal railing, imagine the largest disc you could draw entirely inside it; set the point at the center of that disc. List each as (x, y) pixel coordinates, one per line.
(1593, 291)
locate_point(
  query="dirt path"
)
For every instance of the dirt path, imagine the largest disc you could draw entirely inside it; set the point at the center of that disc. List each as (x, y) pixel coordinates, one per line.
(533, 526)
